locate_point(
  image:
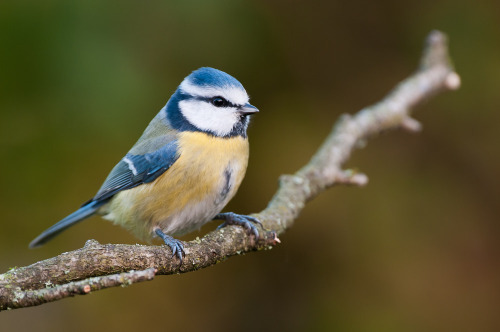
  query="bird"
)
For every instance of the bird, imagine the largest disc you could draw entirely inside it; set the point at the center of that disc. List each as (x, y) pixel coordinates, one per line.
(183, 170)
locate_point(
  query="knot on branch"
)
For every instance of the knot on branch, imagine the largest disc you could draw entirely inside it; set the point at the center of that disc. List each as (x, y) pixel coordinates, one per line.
(92, 244)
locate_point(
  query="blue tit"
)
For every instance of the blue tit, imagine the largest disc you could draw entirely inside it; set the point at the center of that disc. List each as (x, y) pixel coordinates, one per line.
(183, 170)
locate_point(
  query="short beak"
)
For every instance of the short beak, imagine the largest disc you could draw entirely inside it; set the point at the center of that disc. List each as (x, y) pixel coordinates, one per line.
(248, 109)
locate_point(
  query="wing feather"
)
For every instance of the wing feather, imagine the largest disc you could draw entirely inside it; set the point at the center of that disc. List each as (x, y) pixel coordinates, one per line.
(134, 170)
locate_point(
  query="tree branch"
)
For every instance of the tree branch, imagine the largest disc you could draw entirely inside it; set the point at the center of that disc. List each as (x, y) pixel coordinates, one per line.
(97, 266)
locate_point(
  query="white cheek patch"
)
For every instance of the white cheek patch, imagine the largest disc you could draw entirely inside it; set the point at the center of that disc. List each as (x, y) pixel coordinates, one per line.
(205, 116)
(235, 95)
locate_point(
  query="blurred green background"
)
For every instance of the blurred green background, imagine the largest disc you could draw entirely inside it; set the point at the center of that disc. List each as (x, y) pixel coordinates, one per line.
(416, 250)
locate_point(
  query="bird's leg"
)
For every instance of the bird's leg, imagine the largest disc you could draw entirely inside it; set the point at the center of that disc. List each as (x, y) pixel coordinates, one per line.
(246, 222)
(176, 245)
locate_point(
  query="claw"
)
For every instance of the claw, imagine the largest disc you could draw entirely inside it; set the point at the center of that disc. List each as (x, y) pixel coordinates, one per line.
(175, 245)
(254, 220)
(244, 221)
(224, 224)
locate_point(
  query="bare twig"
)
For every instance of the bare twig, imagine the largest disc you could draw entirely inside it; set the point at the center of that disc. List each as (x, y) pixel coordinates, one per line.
(56, 292)
(97, 266)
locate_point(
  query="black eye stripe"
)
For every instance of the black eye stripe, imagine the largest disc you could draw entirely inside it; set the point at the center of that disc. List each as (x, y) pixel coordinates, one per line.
(210, 100)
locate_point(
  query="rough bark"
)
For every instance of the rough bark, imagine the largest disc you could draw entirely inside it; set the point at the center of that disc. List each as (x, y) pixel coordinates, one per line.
(97, 266)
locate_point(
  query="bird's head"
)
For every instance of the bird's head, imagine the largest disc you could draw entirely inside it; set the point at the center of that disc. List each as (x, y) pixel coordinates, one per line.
(210, 101)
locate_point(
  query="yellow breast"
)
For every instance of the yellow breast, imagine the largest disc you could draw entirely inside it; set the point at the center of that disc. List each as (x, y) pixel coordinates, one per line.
(191, 192)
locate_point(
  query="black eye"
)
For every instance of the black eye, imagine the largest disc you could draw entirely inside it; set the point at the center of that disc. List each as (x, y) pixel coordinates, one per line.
(219, 102)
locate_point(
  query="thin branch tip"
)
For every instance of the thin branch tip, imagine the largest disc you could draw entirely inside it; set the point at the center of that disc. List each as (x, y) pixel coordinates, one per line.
(453, 81)
(352, 177)
(437, 38)
(436, 51)
(410, 124)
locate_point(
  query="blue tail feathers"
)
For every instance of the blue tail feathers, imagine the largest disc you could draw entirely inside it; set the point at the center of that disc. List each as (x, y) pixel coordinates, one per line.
(80, 214)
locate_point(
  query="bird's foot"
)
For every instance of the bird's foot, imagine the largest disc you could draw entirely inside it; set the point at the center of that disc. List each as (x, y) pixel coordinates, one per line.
(242, 220)
(176, 245)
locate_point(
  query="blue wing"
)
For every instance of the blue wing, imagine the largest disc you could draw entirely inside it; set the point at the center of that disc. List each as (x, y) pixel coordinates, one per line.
(132, 171)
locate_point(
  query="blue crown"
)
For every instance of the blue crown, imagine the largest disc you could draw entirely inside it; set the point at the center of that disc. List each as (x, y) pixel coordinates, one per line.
(207, 76)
